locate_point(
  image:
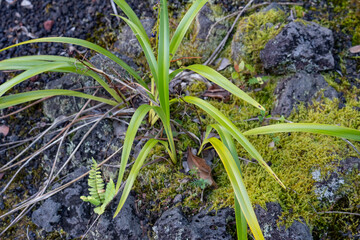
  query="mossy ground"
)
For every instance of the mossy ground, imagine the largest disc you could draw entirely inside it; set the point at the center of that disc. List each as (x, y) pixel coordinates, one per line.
(293, 157)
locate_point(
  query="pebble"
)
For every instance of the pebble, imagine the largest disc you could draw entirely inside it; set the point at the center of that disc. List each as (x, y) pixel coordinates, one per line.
(26, 4)
(48, 25)
(4, 130)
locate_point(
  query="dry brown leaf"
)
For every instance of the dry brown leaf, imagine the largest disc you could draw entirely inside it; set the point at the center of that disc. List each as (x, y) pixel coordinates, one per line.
(4, 130)
(204, 170)
(355, 49)
(214, 91)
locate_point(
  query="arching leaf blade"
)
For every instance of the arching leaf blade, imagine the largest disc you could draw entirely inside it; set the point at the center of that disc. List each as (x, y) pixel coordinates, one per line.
(326, 129)
(220, 80)
(15, 99)
(229, 126)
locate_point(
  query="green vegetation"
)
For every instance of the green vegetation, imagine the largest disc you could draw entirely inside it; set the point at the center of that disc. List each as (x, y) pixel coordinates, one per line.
(98, 194)
(254, 32)
(288, 159)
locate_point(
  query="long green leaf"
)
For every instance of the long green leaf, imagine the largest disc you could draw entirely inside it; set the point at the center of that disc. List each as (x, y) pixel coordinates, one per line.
(50, 58)
(229, 126)
(146, 47)
(85, 44)
(241, 226)
(220, 80)
(326, 129)
(238, 186)
(135, 171)
(32, 63)
(15, 99)
(132, 16)
(134, 125)
(163, 60)
(184, 26)
(28, 74)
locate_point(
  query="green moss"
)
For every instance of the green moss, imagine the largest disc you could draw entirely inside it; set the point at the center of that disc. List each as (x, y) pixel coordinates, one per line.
(253, 33)
(347, 18)
(294, 158)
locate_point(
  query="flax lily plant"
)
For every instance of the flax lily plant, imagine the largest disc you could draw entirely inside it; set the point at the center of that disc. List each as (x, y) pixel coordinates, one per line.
(160, 104)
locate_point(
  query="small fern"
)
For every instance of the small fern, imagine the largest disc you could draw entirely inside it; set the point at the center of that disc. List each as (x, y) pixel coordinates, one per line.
(98, 195)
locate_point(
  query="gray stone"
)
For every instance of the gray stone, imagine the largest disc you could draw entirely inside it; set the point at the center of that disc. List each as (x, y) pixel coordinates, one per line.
(268, 220)
(126, 226)
(63, 105)
(301, 87)
(212, 225)
(128, 44)
(100, 143)
(47, 215)
(274, 6)
(172, 225)
(297, 47)
(328, 185)
(205, 225)
(65, 210)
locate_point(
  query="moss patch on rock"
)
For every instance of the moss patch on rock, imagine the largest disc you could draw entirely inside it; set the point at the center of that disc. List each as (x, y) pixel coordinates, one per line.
(253, 33)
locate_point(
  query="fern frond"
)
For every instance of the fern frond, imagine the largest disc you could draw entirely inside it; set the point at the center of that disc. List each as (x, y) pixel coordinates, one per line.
(109, 196)
(96, 186)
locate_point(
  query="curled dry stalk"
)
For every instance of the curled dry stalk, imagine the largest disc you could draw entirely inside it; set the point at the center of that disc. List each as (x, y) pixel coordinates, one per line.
(160, 105)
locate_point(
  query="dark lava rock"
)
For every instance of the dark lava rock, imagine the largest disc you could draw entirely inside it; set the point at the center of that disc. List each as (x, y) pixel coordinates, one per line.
(174, 225)
(299, 46)
(301, 87)
(47, 215)
(126, 226)
(99, 144)
(65, 210)
(212, 225)
(268, 220)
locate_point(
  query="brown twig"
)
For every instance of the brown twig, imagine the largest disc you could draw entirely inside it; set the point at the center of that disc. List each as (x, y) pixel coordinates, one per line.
(222, 43)
(185, 58)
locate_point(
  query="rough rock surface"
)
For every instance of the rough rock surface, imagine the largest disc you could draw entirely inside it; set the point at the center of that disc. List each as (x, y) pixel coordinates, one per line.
(300, 87)
(174, 225)
(268, 220)
(65, 210)
(327, 186)
(259, 27)
(126, 226)
(99, 144)
(128, 44)
(68, 212)
(299, 46)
